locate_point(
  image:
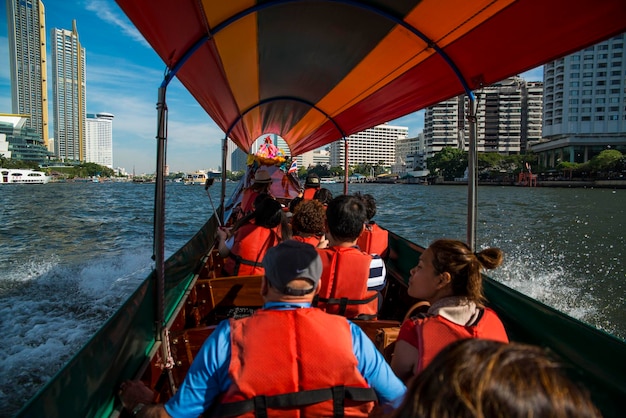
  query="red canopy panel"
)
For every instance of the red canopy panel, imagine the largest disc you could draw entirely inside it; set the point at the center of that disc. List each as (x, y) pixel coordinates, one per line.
(312, 71)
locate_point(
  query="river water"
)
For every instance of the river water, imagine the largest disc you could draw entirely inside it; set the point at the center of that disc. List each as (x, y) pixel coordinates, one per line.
(72, 253)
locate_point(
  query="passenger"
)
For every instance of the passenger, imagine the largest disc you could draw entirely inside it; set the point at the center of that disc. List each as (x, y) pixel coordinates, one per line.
(448, 276)
(352, 278)
(286, 357)
(474, 378)
(323, 195)
(311, 185)
(373, 239)
(244, 253)
(261, 184)
(308, 222)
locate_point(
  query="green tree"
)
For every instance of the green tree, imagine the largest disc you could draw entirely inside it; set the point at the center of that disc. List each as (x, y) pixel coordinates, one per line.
(450, 162)
(606, 161)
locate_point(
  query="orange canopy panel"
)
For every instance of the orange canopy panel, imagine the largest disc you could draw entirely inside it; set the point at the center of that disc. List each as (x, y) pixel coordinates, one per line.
(315, 71)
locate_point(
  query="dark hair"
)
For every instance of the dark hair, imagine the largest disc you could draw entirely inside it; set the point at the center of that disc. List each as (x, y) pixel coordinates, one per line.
(323, 195)
(464, 266)
(476, 378)
(345, 216)
(269, 214)
(370, 204)
(295, 202)
(308, 218)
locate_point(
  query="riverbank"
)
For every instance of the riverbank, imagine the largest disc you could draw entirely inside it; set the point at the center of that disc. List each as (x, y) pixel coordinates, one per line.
(600, 184)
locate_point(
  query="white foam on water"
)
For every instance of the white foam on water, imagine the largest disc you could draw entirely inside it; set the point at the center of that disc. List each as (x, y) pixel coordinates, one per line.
(49, 311)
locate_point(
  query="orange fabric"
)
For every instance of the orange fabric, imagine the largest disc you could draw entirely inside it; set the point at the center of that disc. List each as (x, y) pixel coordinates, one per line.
(435, 332)
(374, 240)
(276, 352)
(313, 239)
(251, 243)
(345, 275)
(247, 200)
(309, 193)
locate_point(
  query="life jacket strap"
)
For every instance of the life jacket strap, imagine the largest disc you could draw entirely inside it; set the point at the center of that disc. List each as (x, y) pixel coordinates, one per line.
(259, 404)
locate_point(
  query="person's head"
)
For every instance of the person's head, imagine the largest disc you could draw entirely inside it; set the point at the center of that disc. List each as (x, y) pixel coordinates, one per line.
(323, 195)
(309, 218)
(312, 180)
(262, 180)
(345, 217)
(268, 213)
(370, 204)
(449, 268)
(476, 378)
(292, 271)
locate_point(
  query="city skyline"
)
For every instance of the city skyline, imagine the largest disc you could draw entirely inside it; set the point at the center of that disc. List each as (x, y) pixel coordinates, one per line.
(123, 74)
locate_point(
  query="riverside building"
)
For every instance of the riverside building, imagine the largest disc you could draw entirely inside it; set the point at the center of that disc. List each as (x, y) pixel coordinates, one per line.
(69, 96)
(99, 139)
(508, 119)
(584, 104)
(27, 62)
(376, 146)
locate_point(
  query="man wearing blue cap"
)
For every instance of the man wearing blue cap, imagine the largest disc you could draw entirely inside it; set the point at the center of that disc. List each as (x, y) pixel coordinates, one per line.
(287, 356)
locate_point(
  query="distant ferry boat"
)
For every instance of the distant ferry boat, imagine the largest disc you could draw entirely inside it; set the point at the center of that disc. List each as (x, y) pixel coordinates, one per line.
(199, 177)
(22, 176)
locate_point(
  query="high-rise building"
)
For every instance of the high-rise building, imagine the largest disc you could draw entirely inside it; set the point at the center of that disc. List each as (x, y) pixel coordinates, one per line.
(584, 104)
(69, 95)
(27, 60)
(99, 139)
(320, 156)
(376, 146)
(508, 116)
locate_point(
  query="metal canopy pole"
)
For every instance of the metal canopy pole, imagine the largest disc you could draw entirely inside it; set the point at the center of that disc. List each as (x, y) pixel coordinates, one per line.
(162, 333)
(346, 166)
(159, 209)
(223, 190)
(472, 177)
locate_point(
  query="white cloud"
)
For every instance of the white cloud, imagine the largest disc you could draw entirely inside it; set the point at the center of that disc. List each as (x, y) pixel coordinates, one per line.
(115, 17)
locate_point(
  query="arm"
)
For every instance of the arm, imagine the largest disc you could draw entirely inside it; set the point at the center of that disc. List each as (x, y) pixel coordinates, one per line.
(207, 377)
(404, 360)
(222, 235)
(372, 365)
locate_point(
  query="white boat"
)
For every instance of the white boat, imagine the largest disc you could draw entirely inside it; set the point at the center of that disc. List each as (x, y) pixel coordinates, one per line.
(198, 177)
(22, 176)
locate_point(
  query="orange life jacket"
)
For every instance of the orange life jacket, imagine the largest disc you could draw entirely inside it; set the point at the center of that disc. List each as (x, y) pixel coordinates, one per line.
(280, 366)
(314, 240)
(373, 239)
(436, 332)
(343, 286)
(309, 193)
(251, 244)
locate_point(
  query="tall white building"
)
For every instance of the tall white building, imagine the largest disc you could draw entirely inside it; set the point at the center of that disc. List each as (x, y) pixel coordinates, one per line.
(99, 139)
(376, 145)
(69, 94)
(27, 62)
(508, 115)
(584, 104)
(443, 125)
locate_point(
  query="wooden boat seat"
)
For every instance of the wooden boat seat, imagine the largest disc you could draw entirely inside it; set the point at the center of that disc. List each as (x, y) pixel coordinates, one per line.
(224, 297)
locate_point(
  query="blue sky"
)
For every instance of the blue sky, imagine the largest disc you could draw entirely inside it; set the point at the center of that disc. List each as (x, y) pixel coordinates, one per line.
(123, 74)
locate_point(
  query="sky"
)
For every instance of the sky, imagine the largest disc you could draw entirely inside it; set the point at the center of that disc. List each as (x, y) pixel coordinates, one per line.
(123, 75)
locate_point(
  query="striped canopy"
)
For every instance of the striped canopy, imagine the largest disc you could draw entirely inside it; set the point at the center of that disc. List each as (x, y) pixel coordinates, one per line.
(314, 71)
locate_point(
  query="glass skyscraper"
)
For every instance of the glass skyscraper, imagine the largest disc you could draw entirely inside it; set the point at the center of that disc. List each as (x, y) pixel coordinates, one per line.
(68, 89)
(27, 59)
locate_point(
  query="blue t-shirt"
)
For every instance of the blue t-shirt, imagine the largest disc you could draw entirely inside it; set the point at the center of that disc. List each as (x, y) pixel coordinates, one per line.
(208, 375)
